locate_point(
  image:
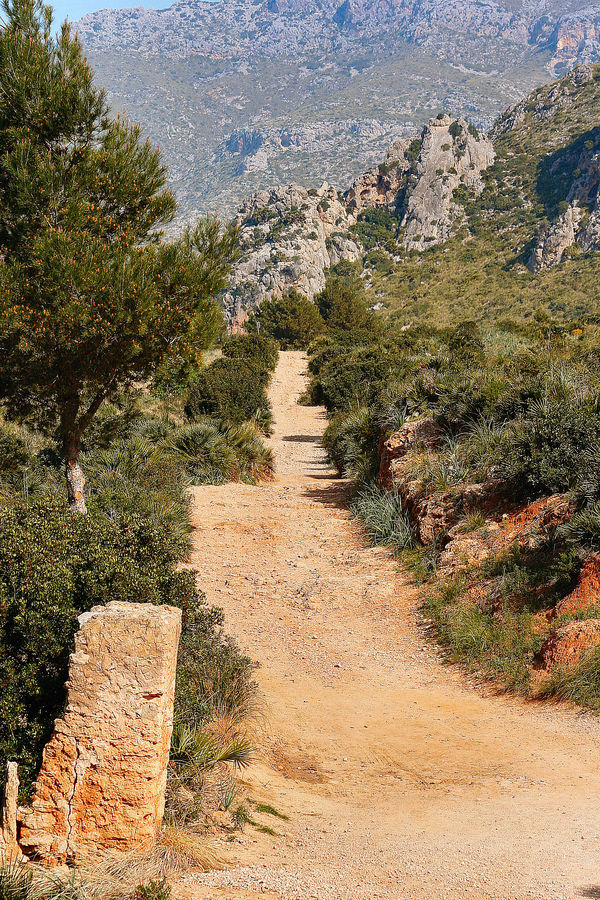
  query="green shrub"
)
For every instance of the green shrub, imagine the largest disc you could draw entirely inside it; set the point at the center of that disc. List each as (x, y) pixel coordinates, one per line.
(136, 476)
(155, 889)
(342, 304)
(378, 227)
(545, 453)
(350, 376)
(212, 675)
(212, 452)
(204, 453)
(53, 567)
(383, 518)
(351, 442)
(255, 348)
(233, 390)
(292, 320)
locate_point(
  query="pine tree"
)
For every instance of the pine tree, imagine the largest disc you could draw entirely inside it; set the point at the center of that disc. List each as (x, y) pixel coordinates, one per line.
(92, 298)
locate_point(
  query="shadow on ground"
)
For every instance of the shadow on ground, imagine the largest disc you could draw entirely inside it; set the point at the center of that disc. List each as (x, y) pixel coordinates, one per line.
(334, 494)
(302, 438)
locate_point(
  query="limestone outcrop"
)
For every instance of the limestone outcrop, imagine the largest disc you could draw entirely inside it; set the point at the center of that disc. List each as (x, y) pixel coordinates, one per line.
(382, 185)
(418, 179)
(288, 238)
(452, 155)
(579, 224)
(103, 776)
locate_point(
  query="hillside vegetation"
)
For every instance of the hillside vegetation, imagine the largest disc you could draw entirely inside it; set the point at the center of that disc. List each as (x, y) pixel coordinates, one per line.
(481, 272)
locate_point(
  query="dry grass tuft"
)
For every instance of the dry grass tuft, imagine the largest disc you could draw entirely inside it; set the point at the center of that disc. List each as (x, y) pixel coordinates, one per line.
(116, 875)
(189, 849)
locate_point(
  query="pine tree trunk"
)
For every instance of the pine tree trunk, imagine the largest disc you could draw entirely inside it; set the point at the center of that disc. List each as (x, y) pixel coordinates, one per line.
(74, 475)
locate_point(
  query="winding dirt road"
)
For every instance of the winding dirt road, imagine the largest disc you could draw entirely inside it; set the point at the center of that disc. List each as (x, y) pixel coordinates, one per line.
(400, 780)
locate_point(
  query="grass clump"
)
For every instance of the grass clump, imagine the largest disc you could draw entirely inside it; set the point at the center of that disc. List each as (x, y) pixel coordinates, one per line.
(383, 518)
(579, 683)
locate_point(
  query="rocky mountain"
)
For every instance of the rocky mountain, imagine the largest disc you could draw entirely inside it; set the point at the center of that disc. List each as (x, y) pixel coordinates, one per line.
(451, 212)
(246, 94)
(289, 236)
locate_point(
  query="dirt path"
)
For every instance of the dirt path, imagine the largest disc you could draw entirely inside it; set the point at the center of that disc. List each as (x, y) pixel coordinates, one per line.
(399, 780)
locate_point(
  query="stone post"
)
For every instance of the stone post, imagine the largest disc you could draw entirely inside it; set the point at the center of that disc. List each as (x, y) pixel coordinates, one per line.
(8, 823)
(104, 770)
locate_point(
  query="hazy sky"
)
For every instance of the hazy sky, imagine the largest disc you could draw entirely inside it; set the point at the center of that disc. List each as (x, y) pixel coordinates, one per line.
(75, 9)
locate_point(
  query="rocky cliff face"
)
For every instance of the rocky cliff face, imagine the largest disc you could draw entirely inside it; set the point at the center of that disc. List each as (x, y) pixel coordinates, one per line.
(288, 238)
(579, 224)
(452, 154)
(382, 185)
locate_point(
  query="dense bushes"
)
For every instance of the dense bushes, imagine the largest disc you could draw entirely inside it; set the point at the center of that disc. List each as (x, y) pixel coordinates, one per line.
(292, 320)
(258, 349)
(342, 303)
(231, 389)
(54, 566)
(530, 417)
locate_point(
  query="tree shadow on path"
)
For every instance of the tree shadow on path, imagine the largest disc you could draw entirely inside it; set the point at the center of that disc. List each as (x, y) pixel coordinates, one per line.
(336, 493)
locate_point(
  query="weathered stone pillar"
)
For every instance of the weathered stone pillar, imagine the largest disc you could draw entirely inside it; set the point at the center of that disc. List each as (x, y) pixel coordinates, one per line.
(104, 770)
(8, 819)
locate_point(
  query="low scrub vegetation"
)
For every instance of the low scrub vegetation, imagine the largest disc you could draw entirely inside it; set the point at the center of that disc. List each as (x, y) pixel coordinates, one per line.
(515, 410)
(140, 461)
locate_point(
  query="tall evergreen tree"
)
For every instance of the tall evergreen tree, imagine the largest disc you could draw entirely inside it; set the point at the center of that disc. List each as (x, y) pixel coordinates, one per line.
(92, 298)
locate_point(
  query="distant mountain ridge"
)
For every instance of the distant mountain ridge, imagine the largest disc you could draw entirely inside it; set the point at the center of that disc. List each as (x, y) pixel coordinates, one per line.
(235, 28)
(244, 95)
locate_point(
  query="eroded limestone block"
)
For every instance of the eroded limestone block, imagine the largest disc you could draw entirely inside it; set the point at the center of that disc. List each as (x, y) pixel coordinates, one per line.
(8, 820)
(103, 776)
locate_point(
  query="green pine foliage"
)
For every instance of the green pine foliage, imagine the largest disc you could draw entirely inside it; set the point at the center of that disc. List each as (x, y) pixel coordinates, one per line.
(102, 325)
(292, 320)
(92, 300)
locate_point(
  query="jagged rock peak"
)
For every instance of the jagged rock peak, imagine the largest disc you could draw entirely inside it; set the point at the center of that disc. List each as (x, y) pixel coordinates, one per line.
(289, 236)
(419, 176)
(452, 154)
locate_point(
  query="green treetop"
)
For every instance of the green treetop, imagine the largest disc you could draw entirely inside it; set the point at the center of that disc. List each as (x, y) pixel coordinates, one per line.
(92, 298)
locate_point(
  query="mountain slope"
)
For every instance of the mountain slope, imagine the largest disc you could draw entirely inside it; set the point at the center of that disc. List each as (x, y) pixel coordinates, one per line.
(245, 95)
(452, 225)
